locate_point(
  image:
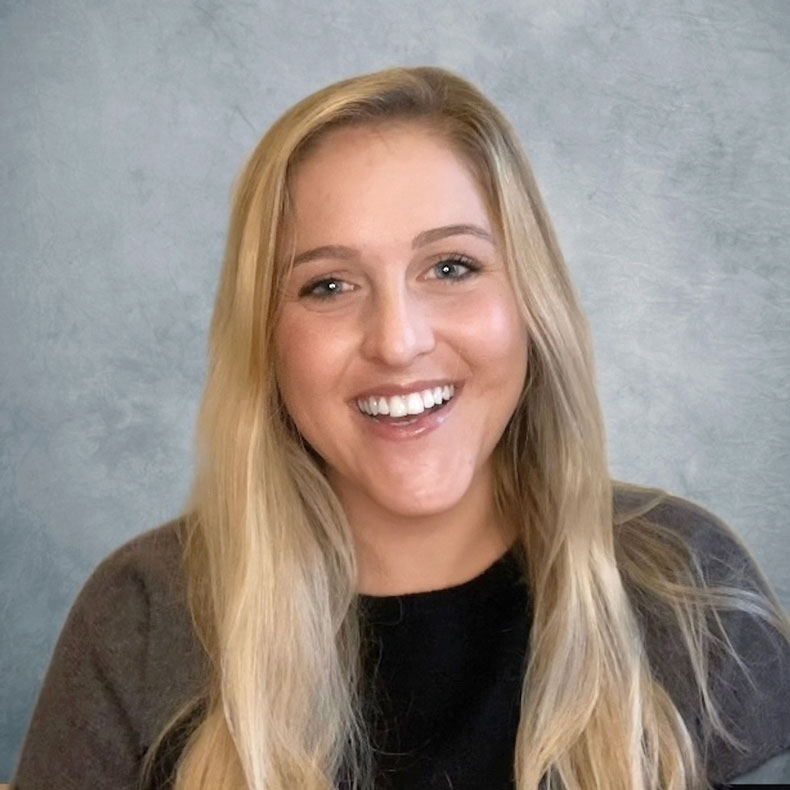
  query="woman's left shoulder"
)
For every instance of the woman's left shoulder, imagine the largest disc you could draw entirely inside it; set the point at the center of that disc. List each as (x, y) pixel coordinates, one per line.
(754, 705)
(722, 553)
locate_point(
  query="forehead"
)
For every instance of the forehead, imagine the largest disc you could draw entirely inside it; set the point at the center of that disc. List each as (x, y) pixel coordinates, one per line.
(380, 184)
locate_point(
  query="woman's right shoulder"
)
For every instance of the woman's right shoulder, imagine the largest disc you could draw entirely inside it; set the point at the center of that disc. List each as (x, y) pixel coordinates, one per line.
(147, 569)
(127, 660)
(137, 596)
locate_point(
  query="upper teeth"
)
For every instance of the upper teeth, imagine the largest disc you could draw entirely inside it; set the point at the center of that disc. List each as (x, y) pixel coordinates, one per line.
(401, 405)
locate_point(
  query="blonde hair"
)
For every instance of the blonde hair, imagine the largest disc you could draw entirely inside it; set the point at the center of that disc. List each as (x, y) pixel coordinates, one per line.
(270, 559)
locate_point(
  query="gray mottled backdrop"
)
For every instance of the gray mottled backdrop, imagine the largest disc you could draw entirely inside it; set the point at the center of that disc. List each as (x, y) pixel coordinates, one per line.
(659, 132)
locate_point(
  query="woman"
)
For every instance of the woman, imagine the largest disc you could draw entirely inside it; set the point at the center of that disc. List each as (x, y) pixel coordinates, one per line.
(404, 562)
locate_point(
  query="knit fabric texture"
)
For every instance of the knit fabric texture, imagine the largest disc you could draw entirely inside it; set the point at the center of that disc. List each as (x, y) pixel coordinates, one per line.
(444, 671)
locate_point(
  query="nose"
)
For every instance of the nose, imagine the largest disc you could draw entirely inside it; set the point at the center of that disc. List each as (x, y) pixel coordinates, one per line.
(399, 328)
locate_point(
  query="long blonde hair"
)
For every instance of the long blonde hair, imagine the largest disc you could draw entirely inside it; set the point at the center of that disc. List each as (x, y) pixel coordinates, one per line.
(270, 560)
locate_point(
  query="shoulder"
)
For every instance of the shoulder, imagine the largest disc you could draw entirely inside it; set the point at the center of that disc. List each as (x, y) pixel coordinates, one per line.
(682, 515)
(749, 658)
(722, 555)
(125, 662)
(135, 606)
(144, 571)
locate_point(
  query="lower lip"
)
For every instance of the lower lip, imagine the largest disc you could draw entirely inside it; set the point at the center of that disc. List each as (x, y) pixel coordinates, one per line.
(420, 426)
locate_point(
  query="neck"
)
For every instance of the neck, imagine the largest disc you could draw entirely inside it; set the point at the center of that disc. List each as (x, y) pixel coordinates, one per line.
(399, 554)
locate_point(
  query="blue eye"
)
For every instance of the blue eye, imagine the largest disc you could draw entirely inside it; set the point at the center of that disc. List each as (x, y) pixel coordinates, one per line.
(456, 268)
(326, 288)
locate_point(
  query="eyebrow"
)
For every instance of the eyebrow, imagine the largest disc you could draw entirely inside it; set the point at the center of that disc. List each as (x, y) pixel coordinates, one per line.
(420, 240)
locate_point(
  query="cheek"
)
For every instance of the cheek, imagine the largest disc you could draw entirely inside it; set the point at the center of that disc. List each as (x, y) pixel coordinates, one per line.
(295, 358)
(309, 361)
(497, 337)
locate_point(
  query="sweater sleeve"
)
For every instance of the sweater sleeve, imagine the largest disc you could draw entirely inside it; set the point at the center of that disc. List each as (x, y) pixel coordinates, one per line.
(124, 662)
(86, 725)
(755, 708)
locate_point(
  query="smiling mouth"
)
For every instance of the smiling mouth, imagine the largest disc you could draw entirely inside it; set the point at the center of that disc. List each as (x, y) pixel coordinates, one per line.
(406, 409)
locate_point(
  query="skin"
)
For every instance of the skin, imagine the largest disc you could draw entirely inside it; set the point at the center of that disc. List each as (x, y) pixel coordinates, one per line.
(388, 311)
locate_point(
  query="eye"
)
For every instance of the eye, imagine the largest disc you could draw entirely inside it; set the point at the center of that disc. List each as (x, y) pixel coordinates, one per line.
(324, 288)
(456, 267)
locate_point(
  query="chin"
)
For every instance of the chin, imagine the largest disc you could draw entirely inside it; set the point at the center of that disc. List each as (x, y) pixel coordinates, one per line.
(410, 505)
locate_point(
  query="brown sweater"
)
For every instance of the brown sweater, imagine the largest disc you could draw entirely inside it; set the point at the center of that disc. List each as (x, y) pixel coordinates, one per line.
(128, 658)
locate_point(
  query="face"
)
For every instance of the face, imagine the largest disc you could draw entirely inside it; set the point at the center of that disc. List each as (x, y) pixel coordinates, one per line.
(400, 351)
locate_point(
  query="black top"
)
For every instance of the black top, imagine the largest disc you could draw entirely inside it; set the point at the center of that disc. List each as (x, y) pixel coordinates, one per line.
(445, 670)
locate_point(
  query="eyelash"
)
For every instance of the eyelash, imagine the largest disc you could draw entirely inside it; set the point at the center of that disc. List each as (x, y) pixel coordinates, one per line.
(459, 260)
(310, 289)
